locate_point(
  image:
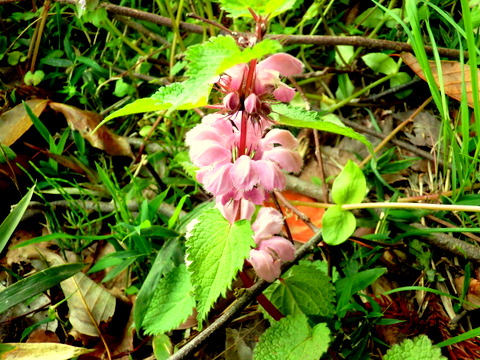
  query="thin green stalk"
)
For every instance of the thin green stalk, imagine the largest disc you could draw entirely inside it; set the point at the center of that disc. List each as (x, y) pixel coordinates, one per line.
(392, 205)
(360, 92)
(111, 26)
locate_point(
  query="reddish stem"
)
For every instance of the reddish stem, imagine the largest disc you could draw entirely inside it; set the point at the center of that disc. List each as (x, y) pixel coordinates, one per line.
(248, 89)
(262, 299)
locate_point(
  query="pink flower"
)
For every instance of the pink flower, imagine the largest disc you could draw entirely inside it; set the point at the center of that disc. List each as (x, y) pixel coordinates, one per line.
(272, 250)
(214, 148)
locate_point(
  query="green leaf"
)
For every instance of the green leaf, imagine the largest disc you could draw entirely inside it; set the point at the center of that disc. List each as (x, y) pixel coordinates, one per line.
(35, 284)
(292, 338)
(304, 289)
(161, 265)
(10, 223)
(6, 154)
(381, 63)
(420, 348)
(217, 250)
(299, 117)
(352, 284)
(398, 79)
(206, 62)
(171, 303)
(35, 78)
(239, 8)
(338, 225)
(350, 185)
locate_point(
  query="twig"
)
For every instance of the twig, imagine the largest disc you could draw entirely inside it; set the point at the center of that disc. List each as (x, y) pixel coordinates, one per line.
(304, 187)
(297, 212)
(89, 205)
(451, 244)
(402, 144)
(359, 41)
(234, 310)
(395, 131)
(142, 29)
(322, 40)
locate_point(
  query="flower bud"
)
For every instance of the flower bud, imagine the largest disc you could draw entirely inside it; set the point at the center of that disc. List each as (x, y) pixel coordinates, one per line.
(252, 104)
(231, 101)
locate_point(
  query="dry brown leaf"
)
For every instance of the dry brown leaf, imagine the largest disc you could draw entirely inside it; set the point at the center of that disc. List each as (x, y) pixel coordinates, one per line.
(40, 351)
(473, 293)
(452, 76)
(89, 304)
(85, 122)
(15, 122)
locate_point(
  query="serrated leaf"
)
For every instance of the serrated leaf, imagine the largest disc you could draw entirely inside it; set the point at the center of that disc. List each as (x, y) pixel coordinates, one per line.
(350, 185)
(40, 351)
(171, 303)
(292, 338)
(217, 250)
(420, 348)
(299, 117)
(206, 62)
(338, 225)
(239, 8)
(381, 63)
(304, 289)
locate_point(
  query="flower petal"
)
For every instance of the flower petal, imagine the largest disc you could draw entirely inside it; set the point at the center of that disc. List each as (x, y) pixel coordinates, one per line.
(243, 174)
(269, 221)
(283, 92)
(269, 175)
(205, 153)
(264, 265)
(285, 64)
(288, 160)
(279, 247)
(281, 137)
(217, 181)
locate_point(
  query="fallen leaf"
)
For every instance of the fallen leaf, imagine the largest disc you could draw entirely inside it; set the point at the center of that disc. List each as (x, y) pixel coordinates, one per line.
(85, 122)
(473, 292)
(15, 122)
(89, 304)
(299, 230)
(39, 351)
(43, 336)
(451, 73)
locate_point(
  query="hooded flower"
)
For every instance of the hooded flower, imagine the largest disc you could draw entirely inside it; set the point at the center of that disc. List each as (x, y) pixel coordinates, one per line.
(214, 148)
(271, 251)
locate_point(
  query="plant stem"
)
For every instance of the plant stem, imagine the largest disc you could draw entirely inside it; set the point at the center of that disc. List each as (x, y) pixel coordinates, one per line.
(392, 205)
(262, 299)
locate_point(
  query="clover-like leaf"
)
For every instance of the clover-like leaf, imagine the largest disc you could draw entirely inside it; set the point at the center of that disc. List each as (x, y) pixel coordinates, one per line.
(338, 225)
(380, 62)
(350, 185)
(216, 250)
(292, 338)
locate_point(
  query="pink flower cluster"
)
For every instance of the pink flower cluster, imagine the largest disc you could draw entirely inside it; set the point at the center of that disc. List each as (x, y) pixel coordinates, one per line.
(271, 250)
(242, 160)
